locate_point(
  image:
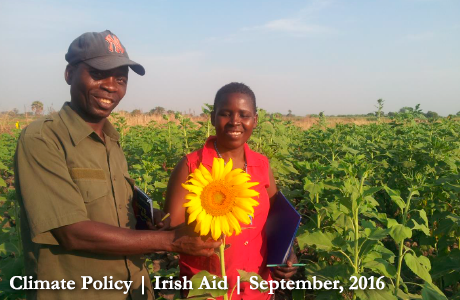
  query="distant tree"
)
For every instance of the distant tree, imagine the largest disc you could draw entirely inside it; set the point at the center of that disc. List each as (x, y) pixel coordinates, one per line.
(136, 112)
(458, 114)
(406, 109)
(14, 112)
(391, 114)
(379, 107)
(170, 112)
(37, 107)
(290, 113)
(158, 111)
(431, 115)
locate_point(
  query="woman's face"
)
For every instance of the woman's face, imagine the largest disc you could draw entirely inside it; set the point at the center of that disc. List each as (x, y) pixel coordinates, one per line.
(234, 119)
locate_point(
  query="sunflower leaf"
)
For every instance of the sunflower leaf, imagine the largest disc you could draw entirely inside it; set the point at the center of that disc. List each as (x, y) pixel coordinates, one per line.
(204, 283)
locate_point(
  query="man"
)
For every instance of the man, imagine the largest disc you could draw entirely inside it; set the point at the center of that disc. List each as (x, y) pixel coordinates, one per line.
(75, 192)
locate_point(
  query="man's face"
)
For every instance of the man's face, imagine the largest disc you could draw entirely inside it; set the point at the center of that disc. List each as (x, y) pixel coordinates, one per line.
(95, 93)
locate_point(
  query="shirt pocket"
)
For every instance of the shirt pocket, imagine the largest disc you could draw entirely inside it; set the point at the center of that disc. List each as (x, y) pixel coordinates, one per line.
(91, 183)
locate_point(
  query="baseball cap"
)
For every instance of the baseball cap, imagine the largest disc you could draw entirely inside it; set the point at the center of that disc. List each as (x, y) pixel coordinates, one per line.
(102, 51)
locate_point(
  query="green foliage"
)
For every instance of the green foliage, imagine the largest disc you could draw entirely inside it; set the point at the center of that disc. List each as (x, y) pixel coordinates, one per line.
(376, 200)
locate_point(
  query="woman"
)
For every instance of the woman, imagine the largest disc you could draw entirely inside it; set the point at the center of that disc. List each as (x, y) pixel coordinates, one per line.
(234, 118)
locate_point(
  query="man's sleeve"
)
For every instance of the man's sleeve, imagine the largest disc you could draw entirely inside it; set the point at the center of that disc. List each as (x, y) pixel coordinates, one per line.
(50, 197)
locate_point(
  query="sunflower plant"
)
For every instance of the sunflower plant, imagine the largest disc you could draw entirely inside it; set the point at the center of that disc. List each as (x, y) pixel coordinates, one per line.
(217, 202)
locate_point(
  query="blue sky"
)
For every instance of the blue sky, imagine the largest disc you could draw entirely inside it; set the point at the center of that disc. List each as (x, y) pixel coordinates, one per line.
(336, 56)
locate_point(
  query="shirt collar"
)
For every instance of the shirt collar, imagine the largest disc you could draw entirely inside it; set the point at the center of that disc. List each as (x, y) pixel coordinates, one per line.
(79, 129)
(209, 152)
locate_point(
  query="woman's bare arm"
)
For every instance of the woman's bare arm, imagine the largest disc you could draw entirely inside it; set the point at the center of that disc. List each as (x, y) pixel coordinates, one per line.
(175, 193)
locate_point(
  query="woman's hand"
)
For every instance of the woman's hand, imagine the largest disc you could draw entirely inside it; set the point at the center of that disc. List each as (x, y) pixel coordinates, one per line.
(286, 273)
(159, 221)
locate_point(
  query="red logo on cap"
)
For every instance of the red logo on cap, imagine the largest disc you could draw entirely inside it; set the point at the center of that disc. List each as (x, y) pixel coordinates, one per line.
(114, 42)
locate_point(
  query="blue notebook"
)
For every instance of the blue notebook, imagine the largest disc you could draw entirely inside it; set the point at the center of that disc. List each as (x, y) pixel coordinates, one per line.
(281, 228)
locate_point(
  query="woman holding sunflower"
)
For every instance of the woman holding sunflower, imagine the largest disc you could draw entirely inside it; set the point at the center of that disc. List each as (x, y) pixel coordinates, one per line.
(217, 207)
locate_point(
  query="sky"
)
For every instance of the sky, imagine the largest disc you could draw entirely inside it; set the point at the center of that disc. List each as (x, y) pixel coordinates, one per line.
(336, 56)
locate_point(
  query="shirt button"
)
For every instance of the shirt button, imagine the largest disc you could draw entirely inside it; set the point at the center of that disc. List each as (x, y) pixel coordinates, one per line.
(246, 243)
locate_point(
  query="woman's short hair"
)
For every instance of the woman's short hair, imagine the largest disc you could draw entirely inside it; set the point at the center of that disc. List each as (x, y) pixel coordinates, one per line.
(235, 87)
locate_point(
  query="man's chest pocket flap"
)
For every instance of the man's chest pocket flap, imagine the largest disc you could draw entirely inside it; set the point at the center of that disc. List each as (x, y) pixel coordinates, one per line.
(91, 183)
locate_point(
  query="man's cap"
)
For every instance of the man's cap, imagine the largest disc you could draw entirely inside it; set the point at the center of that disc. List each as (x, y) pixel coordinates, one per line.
(102, 51)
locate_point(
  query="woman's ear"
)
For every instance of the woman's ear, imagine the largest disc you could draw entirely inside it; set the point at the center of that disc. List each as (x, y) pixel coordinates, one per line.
(256, 120)
(213, 118)
(69, 73)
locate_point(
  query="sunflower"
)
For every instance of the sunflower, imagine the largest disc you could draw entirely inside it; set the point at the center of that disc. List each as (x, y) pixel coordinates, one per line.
(220, 199)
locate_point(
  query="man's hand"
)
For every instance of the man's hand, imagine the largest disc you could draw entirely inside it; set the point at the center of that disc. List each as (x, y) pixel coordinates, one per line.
(279, 273)
(158, 223)
(188, 242)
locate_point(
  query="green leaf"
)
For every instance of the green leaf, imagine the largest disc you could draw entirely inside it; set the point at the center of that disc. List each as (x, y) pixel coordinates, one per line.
(197, 281)
(298, 294)
(419, 266)
(160, 185)
(343, 222)
(379, 252)
(246, 277)
(2, 182)
(367, 294)
(421, 227)
(322, 240)
(378, 234)
(408, 296)
(432, 292)
(422, 214)
(8, 248)
(395, 196)
(391, 222)
(400, 232)
(371, 191)
(381, 266)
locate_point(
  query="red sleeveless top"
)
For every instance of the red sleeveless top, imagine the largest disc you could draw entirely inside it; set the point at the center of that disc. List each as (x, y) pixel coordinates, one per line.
(248, 250)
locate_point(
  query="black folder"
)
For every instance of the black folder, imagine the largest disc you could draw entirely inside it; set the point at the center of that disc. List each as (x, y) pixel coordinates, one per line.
(281, 228)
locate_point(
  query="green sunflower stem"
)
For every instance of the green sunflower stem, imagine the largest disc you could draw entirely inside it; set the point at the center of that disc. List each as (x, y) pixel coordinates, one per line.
(222, 262)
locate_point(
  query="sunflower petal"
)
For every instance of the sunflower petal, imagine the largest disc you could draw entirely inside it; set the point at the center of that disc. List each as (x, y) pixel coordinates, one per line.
(205, 173)
(197, 227)
(196, 183)
(228, 167)
(199, 176)
(194, 214)
(206, 224)
(241, 215)
(232, 174)
(249, 201)
(247, 185)
(215, 168)
(245, 206)
(233, 222)
(194, 202)
(201, 216)
(193, 208)
(238, 180)
(247, 193)
(191, 188)
(191, 196)
(215, 228)
(224, 225)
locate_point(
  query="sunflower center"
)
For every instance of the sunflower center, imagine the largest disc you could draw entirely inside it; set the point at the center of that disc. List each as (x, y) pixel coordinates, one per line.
(218, 198)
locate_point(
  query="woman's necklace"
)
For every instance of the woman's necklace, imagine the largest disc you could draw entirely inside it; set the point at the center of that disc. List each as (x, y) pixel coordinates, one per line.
(220, 156)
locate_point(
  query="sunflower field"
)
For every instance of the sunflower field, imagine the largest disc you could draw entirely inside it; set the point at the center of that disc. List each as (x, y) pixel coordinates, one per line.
(377, 201)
